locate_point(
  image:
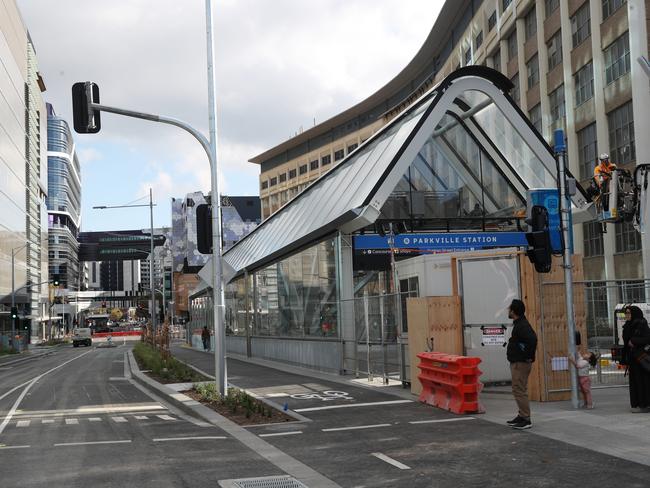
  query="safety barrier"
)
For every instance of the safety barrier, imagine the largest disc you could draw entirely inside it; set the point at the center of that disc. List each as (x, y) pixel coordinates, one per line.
(450, 382)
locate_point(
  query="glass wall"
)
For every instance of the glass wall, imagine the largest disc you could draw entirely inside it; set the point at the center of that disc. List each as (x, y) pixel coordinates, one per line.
(237, 314)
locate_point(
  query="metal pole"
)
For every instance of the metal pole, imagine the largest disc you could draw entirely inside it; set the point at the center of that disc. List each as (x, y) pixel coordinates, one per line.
(398, 307)
(565, 213)
(13, 299)
(365, 310)
(217, 286)
(153, 293)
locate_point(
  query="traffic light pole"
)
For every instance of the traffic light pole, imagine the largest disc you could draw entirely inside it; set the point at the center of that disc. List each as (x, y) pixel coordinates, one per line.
(565, 212)
(210, 148)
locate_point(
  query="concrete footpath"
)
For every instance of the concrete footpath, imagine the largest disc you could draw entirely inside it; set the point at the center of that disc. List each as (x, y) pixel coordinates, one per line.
(607, 432)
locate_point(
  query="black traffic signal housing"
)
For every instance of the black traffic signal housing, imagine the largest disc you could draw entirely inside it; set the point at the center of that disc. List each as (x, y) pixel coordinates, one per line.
(539, 251)
(55, 280)
(204, 228)
(86, 120)
(14, 313)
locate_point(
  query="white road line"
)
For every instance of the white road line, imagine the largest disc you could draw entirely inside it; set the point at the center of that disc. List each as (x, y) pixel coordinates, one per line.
(390, 460)
(94, 419)
(356, 427)
(276, 434)
(47, 421)
(207, 437)
(14, 447)
(165, 417)
(351, 405)
(93, 410)
(441, 420)
(29, 385)
(119, 419)
(23, 423)
(71, 421)
(141, 417)
(91, 443)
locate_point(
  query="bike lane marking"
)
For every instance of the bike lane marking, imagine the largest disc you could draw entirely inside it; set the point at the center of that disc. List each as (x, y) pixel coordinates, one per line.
(351, 405)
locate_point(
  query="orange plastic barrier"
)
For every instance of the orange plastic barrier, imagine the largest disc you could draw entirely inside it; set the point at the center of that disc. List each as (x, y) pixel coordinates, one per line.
(450, 382)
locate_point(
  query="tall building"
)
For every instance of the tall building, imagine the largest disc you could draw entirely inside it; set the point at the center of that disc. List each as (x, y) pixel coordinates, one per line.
(63, 202)
(572, 63)
(23, 165)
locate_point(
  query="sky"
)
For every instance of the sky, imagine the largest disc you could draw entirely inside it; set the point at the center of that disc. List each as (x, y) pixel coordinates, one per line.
(281, 65)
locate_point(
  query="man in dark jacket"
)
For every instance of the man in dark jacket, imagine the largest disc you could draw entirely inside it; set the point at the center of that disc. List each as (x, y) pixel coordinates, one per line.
(521, 355)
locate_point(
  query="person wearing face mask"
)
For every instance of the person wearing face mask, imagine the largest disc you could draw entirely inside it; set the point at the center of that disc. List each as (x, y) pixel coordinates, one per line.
(636, 336)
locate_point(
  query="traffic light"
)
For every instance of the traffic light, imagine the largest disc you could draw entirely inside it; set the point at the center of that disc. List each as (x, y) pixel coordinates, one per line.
(55, 280)
(86, 120)
(204, 228)
(539, 251)
(14, 313)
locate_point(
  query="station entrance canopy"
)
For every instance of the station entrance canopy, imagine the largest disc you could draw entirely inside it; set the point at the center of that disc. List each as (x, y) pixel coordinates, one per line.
(464, 146)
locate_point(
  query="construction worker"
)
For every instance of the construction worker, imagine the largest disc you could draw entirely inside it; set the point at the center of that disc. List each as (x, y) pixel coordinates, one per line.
(602, 177)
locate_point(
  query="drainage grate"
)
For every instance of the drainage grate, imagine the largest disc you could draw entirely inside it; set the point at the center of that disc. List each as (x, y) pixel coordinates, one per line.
(266, 482)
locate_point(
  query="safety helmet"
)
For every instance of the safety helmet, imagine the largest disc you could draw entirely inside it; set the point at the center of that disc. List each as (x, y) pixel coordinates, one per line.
(604, 157)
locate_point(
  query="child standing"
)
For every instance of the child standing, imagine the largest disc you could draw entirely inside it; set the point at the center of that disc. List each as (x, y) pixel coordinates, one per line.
(582, 364)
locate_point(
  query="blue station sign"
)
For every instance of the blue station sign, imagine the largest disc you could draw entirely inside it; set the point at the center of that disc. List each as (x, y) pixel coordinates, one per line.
(443, 242)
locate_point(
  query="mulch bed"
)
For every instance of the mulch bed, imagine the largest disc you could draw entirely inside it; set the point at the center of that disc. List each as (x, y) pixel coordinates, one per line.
(239, 417)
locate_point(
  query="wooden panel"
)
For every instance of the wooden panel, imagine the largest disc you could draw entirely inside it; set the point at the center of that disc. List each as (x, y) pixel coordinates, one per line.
(417, 312)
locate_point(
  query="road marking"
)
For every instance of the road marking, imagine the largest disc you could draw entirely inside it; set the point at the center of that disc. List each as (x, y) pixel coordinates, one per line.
(91, 443)
(390, 460)
(350, 405)
(165, 417)
(72, 421)
(116, 378)
(23, 423)
(94, 409)
(356, 427)
(94, 419)
(441, 420)
(276, 434)
(207, 437)
(119, 419)
(14, 447)
(141, 417)
(47, 421)
(29, 384)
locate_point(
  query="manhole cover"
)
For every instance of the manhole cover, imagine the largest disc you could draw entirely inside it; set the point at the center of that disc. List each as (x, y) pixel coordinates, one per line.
(266, 482)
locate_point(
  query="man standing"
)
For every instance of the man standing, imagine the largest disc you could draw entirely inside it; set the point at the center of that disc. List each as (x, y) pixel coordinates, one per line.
(205, 337)
(521, 355)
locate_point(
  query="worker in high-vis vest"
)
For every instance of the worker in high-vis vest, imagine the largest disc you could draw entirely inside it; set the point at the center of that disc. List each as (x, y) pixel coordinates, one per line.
(602, 176)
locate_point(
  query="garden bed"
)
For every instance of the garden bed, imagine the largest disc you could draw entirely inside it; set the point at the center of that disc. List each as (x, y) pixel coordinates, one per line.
(163, 370)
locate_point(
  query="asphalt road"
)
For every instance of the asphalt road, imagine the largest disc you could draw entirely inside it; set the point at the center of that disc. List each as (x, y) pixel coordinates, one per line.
(71, 418)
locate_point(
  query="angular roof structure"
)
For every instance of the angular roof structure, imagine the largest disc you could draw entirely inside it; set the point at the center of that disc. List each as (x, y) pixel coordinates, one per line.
(472, 104)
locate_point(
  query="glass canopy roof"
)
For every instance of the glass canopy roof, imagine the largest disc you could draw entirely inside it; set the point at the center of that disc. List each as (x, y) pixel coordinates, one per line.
(464, 149)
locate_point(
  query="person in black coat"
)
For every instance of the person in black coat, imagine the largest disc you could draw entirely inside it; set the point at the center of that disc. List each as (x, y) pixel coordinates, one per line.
(636, 335)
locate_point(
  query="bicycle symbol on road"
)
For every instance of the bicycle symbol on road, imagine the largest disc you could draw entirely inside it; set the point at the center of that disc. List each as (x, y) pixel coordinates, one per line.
(324, 396)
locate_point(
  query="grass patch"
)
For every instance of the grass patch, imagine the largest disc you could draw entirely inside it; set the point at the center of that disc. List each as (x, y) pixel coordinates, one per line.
(165, 370)
(237, 405)
(5, 351)
(55, 342)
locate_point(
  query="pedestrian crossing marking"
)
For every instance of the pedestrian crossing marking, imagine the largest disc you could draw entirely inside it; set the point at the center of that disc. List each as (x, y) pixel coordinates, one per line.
(77, 421)
(23, 423)
(119, 419)
(72, 421)
(94, 419)
(141, 417)
(47, 421)
(165, 417)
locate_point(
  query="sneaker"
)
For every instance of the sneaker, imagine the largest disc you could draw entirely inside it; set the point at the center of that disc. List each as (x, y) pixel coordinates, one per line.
(516, 420)
(523, 424)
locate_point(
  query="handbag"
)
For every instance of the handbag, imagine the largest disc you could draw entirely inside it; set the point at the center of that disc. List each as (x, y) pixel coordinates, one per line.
(642, 357)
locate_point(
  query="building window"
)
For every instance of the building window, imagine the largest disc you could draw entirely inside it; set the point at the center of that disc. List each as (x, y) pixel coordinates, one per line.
(531, 23)
(274, 181)
(338, 155)
(313, 165)
(627, 238)
(532, 69)
(325, 160)
(478, 40)
(593, 239)
(352, 147)
(468, 56)
(265, 185)
(283, 177)
(587, 148)
(584, 82)
(492, 21)
(515, 93)
(409, 288)
(611, 6)
(621, 134)
(554, 46)
(512, 45)
(505, 4)
(535, 116)
(617, 58)
(496, 59)
(631, 291)
(581, 25)
(292, 173)
(556, 101)
(303, 169)
(551, 6)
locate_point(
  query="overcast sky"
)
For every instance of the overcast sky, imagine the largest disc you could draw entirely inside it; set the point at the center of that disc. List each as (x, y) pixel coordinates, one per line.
(280, 65)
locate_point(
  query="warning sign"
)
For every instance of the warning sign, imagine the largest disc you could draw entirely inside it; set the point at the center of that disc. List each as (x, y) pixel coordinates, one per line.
(493, 336)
